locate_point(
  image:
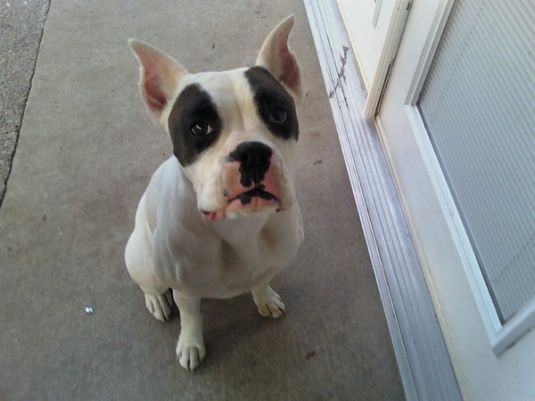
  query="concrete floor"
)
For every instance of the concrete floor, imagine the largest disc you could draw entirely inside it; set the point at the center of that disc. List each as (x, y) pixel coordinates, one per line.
(86, 151)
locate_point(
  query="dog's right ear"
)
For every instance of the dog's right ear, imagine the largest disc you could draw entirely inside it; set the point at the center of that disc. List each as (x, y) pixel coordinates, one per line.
(159, 76)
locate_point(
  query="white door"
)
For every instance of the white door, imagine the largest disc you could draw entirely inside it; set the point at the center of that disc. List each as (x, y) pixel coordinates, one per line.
(367, 19)
(458, 123)
(374, 28)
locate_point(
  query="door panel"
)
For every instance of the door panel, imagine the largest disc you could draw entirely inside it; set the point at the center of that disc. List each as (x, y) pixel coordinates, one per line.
(477, 339)
(477, 105)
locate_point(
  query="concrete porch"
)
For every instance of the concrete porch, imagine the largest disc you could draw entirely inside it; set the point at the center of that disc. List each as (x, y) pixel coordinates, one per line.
(85, 152)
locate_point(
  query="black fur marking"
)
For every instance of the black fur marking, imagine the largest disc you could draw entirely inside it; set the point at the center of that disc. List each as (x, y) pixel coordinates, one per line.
(270, 95)
(254, 159)
(192, 105)
(246, 197)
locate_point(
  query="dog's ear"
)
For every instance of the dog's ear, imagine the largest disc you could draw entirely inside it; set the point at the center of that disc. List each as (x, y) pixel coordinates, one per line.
(159, 76)
(278, 59)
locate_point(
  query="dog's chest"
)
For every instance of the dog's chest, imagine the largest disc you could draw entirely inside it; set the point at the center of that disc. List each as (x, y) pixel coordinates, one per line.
(238, 259)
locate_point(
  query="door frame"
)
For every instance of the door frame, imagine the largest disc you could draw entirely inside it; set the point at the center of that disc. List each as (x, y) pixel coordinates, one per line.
(423, 360)
(400, 266)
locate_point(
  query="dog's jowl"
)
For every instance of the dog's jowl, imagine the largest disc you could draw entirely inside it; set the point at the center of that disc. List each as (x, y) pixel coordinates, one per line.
(219, 217)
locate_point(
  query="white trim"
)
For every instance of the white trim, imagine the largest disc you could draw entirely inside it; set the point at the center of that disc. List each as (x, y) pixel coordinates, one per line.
(396, 26)
(421, 354)
(352, 41)
(455, 224)
(430, 47)
(376, 11)
(520, 324)
(500, 336)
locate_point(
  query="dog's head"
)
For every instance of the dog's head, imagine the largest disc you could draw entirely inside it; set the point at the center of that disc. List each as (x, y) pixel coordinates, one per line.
(233, 132)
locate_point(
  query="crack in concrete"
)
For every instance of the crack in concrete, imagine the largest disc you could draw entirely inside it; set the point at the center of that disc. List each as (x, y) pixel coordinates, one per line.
(341, 74)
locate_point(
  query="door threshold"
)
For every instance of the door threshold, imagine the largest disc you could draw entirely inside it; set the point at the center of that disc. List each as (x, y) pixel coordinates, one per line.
(423, 360)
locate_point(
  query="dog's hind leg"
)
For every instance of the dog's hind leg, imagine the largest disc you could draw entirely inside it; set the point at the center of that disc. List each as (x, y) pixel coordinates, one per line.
(268, 302)
(140, 266)
(159, 305)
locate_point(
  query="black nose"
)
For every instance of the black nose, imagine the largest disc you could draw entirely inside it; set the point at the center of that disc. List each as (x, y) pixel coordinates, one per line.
(254, 159)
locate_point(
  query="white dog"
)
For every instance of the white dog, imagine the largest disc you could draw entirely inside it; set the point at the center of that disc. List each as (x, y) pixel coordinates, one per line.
(220, 216)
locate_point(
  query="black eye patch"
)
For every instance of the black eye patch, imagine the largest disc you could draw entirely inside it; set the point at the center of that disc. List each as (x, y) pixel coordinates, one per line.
(274, 104)
(194, 124)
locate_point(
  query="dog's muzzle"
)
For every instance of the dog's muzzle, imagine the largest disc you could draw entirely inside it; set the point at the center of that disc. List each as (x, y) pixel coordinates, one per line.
(252, 178)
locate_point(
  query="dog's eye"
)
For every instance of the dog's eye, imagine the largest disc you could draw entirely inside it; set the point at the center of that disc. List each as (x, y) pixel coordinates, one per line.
(278, 115)
(201, 128)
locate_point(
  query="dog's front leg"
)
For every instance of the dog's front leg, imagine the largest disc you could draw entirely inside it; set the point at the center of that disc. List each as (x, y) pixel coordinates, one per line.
(190, 349)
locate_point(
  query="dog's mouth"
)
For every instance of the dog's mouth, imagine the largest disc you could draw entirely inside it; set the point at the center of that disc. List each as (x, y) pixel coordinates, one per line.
(246, 203)
(246, 197)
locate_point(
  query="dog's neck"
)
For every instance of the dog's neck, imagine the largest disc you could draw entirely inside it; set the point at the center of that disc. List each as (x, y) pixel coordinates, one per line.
(237, 232)
(241, 231)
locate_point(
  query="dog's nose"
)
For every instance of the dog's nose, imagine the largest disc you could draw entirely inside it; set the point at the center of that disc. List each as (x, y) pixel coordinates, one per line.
(254, 159)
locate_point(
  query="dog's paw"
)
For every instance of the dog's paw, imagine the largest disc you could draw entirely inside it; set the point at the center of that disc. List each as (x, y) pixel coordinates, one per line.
(159, 305)
(189, 352)
(269, 303)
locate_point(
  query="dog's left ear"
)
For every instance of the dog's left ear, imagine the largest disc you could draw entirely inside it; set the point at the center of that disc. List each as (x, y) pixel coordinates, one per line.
(278, 59)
